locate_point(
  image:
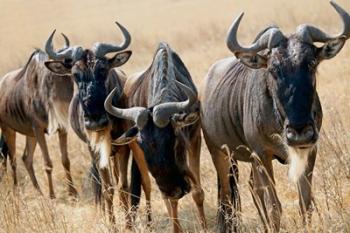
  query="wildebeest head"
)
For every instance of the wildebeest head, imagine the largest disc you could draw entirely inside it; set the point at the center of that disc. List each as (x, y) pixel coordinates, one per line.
(291, 63)
(89, 70)
(158, 132)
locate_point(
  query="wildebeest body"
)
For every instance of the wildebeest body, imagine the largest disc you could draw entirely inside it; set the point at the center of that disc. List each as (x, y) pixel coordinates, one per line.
(242, 114)
(34, 101)
(163, 104)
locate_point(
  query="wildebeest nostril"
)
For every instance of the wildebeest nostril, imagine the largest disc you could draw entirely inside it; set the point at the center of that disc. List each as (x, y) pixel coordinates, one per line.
(302, 136)
(291, 133)
(308, 132)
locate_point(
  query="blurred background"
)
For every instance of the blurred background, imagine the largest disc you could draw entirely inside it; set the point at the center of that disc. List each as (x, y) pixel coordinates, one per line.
(196, 29)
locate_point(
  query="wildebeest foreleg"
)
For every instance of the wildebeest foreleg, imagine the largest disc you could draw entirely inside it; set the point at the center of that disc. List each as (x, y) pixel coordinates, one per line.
(10, 139)
(62, 136)
(264, 194)
(227, 212)
(27, 158)
(40, 136)
(146, 181)
(120, 162)
(3, 156)
(108, 192)
(197, 193)
(173, 213)
(305, 189)
(95, 177)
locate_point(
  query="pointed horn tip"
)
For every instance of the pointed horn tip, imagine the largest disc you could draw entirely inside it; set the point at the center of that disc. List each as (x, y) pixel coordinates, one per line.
(52, 33)
(48, 43)
(180, 84)
(110, 97)
(240, 16)
(337, 7)
(332, 2)
(64, 35)
(65, 38)
(186, 88)
(236, 22)
(119, 25)
(108, 102)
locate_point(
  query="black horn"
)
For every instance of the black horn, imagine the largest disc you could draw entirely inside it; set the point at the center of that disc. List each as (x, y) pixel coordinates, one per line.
(269, 39)
(311, 34)
(163, 112)
(138, 115)
(68, 53)
(102, 49)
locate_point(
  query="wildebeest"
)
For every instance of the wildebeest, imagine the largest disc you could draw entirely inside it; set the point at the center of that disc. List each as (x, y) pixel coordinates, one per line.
(163, 104)
(94, 78)
(34, 101)
(264, 105)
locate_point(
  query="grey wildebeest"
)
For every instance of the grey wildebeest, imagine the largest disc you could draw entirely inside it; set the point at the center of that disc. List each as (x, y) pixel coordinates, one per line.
(163, 105)
(264, 106)
(94, 78)
(35, 101)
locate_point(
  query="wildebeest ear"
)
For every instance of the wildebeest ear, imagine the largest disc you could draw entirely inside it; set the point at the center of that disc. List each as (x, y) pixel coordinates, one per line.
(254, 61)
(331, 48)
(129, 136)
(183, 120)
(120, 58)
(58, 67)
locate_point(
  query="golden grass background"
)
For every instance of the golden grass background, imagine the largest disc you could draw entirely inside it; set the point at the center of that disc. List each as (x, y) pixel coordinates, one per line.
(196, 29)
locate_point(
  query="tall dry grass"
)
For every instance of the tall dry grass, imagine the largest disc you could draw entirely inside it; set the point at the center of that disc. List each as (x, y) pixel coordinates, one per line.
(196, 29)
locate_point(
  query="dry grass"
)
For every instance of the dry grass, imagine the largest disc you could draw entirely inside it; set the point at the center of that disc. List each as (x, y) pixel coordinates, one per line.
(196, 30)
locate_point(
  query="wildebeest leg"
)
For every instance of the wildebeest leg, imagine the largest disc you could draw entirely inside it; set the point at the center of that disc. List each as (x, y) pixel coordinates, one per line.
(3, 156)
(197, 193)
(264, 193)
(146, 181)
(171, 206)
(226, 212)
(40, 136)
(27, 158)
(108, 192)
(95, 177)
(10, 139)
(305, 189)
(120, 161)
(62, 136)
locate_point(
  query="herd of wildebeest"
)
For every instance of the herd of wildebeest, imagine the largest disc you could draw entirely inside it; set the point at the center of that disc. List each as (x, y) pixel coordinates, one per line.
(259, 106)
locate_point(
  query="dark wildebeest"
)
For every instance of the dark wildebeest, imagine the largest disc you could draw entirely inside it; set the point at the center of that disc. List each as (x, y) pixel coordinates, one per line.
(164, 106)
(35, 101)
(94, 78)
(264, 105)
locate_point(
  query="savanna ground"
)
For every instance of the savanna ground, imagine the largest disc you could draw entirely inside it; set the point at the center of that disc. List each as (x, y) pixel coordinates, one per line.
(196, 29)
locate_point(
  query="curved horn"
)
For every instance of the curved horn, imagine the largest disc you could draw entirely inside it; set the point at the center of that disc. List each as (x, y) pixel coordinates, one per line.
(66, 41)
(310, 34)
(163, 112)
(139, 115)
(269, 39)
(68, 53)
(102, 49)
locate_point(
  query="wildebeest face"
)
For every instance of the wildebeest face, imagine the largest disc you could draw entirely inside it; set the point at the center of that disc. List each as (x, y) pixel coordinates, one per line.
(165, 154)
(291, 63)
(89, 69)
(292, 85)
(159, 131)
(90, 74)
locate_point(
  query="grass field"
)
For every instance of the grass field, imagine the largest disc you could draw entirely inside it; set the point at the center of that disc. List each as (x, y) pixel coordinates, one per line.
(196, 29)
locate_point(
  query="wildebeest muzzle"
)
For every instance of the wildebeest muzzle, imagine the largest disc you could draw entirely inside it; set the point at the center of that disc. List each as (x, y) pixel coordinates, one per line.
(301, 135)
